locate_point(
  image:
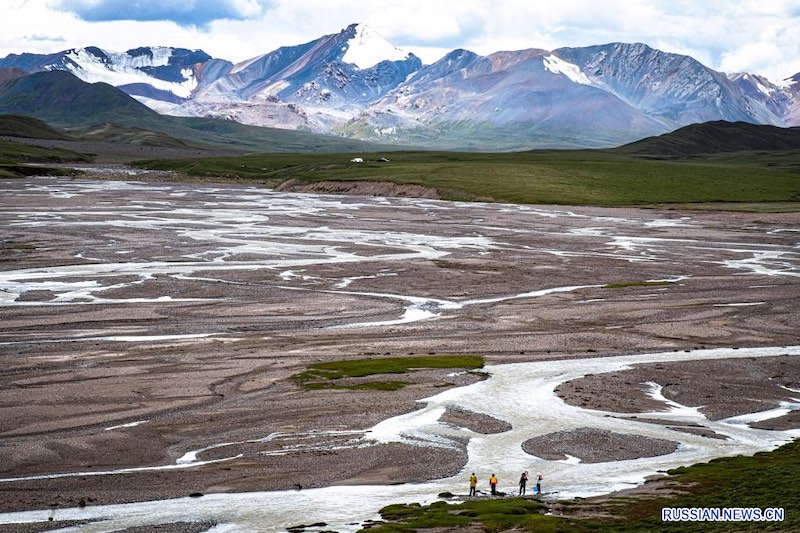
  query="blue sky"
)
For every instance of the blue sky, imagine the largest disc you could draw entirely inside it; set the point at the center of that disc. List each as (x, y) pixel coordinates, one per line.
(761, 37)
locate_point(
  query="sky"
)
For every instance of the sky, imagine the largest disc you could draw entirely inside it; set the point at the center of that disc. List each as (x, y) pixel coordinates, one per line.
(760, 36)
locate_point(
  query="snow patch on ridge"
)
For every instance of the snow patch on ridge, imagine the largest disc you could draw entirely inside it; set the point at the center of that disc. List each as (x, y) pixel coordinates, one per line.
(123, 69)
(366, 49)
(559, 66)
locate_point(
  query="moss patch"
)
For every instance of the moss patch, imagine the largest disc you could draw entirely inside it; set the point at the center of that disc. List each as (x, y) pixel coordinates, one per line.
(323, 375)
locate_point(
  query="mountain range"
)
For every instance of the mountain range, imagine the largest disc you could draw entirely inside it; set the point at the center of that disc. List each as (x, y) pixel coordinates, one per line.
(356, 84)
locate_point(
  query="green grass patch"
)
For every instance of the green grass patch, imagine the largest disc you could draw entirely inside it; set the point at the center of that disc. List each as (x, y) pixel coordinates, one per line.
(25, 247)
(767, 479)
(623, 284)
(16, 159)
(12, 152)
(8, 174)
(21, 171)
(493, 515)
(573, 177)
(319, 376)
(22, 126)
(356, 368)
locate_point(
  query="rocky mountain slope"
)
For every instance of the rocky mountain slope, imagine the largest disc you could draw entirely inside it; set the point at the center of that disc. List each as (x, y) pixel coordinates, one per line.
(354, 83)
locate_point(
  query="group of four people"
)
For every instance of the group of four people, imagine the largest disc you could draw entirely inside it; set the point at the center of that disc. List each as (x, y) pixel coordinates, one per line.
(523, 483)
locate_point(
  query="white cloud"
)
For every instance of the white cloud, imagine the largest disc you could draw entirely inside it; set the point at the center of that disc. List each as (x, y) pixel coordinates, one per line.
(182, 12)
(754, 36)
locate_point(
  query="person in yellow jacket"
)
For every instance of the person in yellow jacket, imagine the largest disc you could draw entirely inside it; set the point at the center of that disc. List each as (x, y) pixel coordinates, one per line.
(493, 484)
(473, 484)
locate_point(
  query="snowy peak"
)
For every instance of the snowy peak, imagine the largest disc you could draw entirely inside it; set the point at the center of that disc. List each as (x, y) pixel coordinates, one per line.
(366, 48)
(339, 73)
(760, 83)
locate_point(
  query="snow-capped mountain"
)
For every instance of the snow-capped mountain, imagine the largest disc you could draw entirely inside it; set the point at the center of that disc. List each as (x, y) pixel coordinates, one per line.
(161, 73)
(325, 81)
(355, 66)
(356, 83)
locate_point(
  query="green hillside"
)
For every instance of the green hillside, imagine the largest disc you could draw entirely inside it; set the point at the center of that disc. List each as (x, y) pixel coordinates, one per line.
(9, 74)
(15, 152)
(115, 133)
(59, 98)
(716, 137)
(22, 126)
(19, 160)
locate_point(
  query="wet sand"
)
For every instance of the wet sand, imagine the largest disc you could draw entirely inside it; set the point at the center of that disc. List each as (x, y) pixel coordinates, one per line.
(477, 422)
(590, 445)
(177, 314)
(720, 389)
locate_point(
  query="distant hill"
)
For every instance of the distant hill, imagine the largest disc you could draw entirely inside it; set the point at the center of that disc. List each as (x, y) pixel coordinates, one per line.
(58, 97)
(61, 99)
(19, 159)
(22, 126)
(716, 137)
(9, 74)
(115, 133)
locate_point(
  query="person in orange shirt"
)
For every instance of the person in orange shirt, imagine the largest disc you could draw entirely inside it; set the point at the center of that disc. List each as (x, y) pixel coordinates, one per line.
(493, 484)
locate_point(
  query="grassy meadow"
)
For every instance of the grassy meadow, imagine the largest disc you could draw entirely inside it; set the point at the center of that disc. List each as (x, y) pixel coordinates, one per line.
(579, 177)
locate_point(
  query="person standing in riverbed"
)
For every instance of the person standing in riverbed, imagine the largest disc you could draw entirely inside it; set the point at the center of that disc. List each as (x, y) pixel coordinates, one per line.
(473, 485)
(493, 484)
(523, 481)
(539, 478)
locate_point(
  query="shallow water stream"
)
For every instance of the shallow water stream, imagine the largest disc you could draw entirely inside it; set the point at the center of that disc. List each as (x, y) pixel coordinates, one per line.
(521, 394)
(320, 276)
